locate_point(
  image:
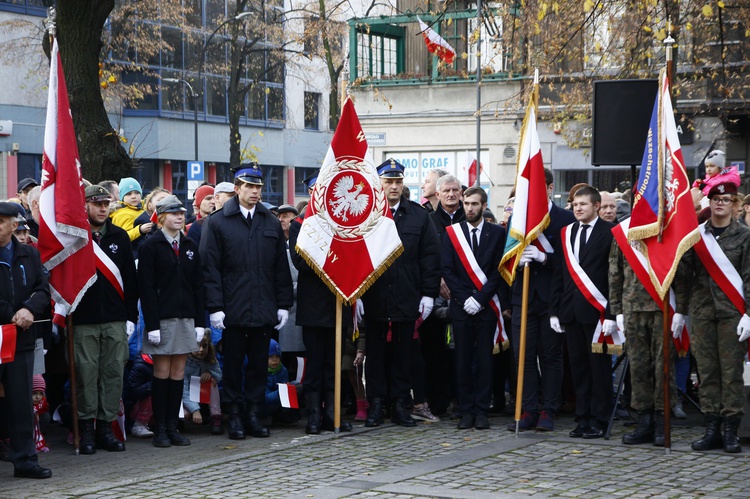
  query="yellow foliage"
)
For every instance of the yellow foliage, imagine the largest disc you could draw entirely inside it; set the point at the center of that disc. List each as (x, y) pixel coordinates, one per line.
(689, 26)
(707, 11)
(598, 47)
(661, 34)
(104, 85)
(647, 29)
(720, 4)
(588, 5)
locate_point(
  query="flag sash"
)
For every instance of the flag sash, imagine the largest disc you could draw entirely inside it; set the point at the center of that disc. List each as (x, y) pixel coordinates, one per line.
(109, 270)
(638, 263)
(8, 334)
(720, 268)
(592, 294)
(478, 277)
(288, 396)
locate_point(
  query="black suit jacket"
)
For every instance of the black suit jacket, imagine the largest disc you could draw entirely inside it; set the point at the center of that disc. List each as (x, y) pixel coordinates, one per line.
(491, 245)
(540, 280)
(567, 302)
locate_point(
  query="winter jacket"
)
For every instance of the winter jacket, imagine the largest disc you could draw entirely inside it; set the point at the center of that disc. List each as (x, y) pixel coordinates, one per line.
(196, 367)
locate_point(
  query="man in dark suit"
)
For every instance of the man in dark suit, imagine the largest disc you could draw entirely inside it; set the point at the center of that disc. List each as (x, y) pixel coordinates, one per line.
(584, 246)
(544, 346)
(474, 308)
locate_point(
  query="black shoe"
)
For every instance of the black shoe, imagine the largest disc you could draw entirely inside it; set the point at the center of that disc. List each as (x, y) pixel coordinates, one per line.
(712, 438)
(659, 429)
(86, 444)
(253, 426)
(401, 416)
(481, 422)
(731, 440)
(328, 416)
(236, 430)
(105, 439)
(35, 472)
(644, 430)
(375, 413)
(174, 435)
(466, 422)
(593, 431)
(578, 431)
(160, 436)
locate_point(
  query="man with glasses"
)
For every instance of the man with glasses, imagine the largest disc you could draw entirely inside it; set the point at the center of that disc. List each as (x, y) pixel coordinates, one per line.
(713, 282)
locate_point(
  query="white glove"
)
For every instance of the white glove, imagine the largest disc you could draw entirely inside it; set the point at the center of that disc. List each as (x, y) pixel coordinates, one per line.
(154, 337)
(554, 323)
(620, 319)
(359, 310)
(471, 306)
(199, 332)
(678, 322)
(743, 328)
(532, 254)
(609, 327)
(129, 329)
(282, 316)
(217, 320)
(425, 306)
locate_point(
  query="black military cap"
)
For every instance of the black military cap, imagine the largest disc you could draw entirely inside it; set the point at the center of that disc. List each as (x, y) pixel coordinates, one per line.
(26, 183)
(249, 173)
(8, 209)
(391, 168)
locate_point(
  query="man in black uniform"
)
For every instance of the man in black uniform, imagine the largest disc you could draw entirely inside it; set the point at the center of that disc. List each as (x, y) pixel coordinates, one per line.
(248, 287)
(402, 294)
(24, 295)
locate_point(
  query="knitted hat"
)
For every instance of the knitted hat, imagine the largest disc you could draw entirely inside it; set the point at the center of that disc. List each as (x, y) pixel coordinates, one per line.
(38, 384)
(274, 348)
(201, 193)
(128, 185)
(716, 158)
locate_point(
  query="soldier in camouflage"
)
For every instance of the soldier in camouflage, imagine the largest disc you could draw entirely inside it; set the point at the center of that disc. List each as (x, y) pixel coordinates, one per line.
(640, 318)
(715, 320)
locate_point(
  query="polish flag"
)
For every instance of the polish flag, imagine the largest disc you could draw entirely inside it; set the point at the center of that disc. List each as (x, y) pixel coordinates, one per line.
(288, 396)
(7, 343)
(202, 392)
(436, 44)
(301, 363)
(118, 425)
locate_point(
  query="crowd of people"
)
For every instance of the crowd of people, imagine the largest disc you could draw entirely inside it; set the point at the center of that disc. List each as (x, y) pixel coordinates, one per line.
(203, 319)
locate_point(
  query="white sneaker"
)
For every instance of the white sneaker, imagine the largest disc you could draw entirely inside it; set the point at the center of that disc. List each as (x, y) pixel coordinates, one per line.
(140, 430)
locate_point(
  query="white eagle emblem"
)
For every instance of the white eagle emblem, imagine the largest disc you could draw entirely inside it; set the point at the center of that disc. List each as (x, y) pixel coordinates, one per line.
(190, 254)
(349, 198)
(113, 248)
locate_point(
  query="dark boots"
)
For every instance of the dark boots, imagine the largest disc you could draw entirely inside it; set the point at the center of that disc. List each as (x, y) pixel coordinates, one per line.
(105, 439)
(328, 416)
(86, 430)
(712, 438)
(375, 414)
(312, 401)
(253, 424)
(234, 422)
(644, 430)
(216, 428)
(401, 414)
(731, 440)
(659, 429)
(174, 400)
(159, 394)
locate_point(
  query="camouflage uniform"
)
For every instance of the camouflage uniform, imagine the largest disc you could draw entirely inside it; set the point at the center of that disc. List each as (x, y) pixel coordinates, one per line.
(644, 333)
(714, 318)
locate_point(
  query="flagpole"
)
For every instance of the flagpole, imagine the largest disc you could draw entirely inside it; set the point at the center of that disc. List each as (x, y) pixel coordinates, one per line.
(522, 344)
(73, 387)
(337, 371)
(477, 180)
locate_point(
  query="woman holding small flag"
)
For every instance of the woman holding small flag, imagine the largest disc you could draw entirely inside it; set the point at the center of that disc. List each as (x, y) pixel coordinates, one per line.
(172, 298)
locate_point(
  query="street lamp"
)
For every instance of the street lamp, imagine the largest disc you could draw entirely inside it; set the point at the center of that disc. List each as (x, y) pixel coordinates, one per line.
(195, 106)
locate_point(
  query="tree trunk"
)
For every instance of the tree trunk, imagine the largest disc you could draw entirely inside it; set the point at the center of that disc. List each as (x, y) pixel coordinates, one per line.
(79, 35)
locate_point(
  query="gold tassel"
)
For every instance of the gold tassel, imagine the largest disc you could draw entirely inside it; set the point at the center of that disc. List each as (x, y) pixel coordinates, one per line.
(597, 348)
(614, 349)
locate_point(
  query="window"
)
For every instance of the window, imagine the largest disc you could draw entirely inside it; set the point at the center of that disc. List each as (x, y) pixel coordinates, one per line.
(377, 55)
(300, 174)
(312, 109)
(31, 7)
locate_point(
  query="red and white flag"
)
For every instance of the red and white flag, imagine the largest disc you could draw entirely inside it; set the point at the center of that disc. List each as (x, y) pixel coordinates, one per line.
(64, 232)
(531, 207)
(301, 365)
(436, 44)
(468, 174)
(7, 343)
(348, 235)
(118, 425)
(202, 392)
(288, 396)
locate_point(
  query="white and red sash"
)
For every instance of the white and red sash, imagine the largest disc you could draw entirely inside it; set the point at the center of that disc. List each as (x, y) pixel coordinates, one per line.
(638, 263)
(720, 268)
(477, 276)
(592, 294)
(107, 267)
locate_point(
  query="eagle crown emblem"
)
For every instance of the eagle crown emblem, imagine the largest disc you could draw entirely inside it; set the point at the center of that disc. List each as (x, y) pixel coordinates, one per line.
(349, 199)
(721, 189)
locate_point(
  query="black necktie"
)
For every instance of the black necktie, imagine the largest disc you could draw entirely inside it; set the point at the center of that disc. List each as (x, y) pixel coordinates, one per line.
(98, 237)
(582, 238)
(176, 247)
(474, 241)
(393, 213)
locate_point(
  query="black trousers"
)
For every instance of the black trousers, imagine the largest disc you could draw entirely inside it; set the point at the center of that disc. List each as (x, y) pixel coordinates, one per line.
(17, 381)
(591, 373)
(438, 365)
(473, 340)
(250, 342)
(389, 376)
(320, 348)
(543, 349)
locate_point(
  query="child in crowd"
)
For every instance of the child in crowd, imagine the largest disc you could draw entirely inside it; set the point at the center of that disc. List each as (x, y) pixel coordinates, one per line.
(716, 172)
(41, 412)
(203, 363)
(138, 396)
(277, 373)
(130, 208)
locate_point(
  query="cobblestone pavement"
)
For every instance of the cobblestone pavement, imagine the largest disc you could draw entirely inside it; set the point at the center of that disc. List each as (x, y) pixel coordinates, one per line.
(432, 460)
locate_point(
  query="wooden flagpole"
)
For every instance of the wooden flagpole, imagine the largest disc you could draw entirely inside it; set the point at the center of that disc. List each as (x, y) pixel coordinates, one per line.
(337, 371)
(522, 343)
(666, 361)
(73, 387)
